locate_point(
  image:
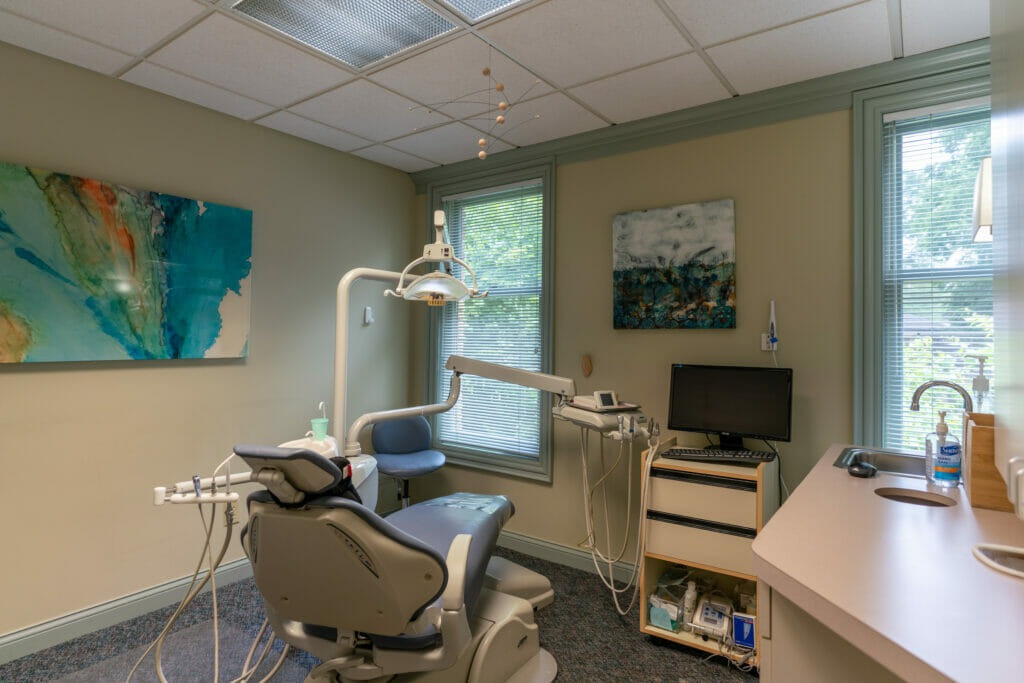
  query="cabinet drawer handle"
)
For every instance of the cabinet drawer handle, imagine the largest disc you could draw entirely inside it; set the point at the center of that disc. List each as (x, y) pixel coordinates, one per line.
(702, 524)
(706, 479)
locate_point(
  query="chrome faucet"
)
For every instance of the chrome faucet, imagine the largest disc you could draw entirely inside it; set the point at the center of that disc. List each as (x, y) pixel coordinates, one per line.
(915, 401)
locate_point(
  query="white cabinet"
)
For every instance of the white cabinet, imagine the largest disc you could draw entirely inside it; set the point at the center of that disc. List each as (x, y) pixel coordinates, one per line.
(704, 516)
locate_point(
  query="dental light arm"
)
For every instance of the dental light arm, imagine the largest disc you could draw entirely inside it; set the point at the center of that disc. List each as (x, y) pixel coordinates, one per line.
(341, 331)
(562, 386)
(460, 365)
(352, 446)
(436, 288)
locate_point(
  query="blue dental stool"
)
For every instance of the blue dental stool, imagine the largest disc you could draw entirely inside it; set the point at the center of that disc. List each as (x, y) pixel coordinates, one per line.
(402, 449)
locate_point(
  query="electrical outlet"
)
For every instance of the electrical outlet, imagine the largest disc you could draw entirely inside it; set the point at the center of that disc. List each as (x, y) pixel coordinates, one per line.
(766, 343)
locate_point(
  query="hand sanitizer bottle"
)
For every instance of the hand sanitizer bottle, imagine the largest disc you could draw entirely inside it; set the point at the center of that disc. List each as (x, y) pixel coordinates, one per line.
(942, 455)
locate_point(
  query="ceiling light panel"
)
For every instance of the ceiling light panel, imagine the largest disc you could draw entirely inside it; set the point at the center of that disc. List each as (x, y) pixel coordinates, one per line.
(475, 10)
(358, 32)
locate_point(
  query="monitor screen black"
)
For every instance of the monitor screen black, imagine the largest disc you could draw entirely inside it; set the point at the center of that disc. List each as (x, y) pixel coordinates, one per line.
(732, 402)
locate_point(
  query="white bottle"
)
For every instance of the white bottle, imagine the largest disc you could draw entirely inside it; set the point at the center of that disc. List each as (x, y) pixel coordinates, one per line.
(689, 604)
(942, 455)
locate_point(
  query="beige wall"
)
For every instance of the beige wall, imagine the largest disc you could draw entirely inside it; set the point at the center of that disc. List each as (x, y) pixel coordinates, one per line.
(82, 444)
(792, 186)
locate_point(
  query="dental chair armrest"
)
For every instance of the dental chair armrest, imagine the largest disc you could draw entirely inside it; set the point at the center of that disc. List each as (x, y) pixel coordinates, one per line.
(458, 554)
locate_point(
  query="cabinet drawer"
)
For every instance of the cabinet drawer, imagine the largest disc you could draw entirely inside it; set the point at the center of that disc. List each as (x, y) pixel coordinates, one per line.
(716, 545)
(704, 496)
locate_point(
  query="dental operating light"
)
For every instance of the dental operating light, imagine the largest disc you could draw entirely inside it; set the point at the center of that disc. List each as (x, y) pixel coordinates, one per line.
(435, 288)
(438, 287)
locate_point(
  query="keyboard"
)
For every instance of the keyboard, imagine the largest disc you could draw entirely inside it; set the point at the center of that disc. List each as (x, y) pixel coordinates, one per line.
(741, 457)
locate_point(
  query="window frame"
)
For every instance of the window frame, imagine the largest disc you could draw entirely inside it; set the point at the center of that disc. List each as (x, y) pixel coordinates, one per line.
(481, 458)
(869, 108)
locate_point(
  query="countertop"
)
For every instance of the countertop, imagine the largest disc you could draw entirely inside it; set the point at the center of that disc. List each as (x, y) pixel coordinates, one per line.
(897, 580)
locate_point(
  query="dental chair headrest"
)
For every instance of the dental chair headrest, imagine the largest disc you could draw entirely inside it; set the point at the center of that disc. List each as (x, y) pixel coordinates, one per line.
(290, 474)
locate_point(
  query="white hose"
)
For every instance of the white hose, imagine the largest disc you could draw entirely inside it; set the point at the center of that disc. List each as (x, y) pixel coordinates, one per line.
(611, 558)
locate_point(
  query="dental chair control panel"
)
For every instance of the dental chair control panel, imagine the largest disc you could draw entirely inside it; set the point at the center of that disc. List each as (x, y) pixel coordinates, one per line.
(415, 594)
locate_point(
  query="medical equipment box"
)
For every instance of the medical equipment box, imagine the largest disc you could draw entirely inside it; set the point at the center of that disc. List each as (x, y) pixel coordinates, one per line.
(743, 629)
(666, 609)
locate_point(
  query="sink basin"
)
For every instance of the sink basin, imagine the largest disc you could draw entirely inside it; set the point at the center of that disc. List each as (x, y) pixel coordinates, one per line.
(887, 461)
(915, 497)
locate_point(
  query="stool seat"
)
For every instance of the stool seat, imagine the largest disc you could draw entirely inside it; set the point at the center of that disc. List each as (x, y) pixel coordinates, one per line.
(407, 465)
(402, 448)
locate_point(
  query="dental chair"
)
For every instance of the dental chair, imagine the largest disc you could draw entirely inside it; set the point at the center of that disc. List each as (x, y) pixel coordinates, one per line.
(414, 597)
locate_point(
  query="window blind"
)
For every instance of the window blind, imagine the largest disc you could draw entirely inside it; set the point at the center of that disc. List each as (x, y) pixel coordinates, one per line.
(499, 232)
(937, 282)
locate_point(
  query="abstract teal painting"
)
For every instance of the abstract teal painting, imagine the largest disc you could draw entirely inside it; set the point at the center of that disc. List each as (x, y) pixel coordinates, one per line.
(91, 270)
(675, 267)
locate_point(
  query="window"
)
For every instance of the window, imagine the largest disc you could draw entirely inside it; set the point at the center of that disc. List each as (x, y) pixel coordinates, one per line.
(501, 231)
(925, 296)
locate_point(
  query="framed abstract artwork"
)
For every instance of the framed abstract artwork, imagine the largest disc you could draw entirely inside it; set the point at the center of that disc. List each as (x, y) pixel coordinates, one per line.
(90, 270)
(675, 267)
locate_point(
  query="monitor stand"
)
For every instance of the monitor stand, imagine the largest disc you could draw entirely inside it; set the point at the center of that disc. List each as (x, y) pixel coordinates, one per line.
(729, 442)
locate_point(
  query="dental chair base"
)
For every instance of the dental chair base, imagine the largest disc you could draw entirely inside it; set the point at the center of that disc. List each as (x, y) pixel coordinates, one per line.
(504, 646)
(505, 576)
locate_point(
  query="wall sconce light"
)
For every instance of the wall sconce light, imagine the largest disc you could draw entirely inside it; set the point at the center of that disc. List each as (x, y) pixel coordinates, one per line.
(983, 202)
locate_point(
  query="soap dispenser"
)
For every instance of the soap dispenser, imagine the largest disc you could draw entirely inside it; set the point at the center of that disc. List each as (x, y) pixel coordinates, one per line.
(942, 455)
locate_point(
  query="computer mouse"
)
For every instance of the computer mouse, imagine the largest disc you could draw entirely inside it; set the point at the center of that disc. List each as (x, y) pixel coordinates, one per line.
(862, 469)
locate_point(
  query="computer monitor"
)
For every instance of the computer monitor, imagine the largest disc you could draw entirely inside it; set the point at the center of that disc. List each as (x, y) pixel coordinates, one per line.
(732, 402)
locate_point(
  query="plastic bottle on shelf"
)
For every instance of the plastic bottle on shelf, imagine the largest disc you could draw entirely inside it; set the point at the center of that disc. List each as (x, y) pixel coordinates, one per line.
(942, 455)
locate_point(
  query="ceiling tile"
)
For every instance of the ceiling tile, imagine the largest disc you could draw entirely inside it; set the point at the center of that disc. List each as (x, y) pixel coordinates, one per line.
(448, 144)
(931, 24)
(369, 110)
(189, 89)
(828, 44)
(546, 118)
(242, 59)
(60, 45)
(454, 70)
(394, 158)
(286, 122)
(573, 41)
(128, 25)
(674, 84)
(716, 22)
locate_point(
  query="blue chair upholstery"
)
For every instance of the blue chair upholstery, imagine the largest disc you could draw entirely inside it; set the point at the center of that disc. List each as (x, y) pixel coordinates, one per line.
(402, 449)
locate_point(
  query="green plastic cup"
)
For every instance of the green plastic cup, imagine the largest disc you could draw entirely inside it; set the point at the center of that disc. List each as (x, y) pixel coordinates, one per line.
(319, 428)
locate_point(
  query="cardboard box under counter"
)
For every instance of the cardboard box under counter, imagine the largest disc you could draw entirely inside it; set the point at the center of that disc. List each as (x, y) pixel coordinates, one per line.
(984, 486)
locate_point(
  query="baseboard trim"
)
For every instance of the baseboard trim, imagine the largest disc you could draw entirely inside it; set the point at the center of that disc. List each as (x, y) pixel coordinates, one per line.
(55, 631)
(577, 558)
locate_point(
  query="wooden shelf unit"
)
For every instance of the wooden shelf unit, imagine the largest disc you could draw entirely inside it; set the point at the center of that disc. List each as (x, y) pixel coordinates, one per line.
(704, 516)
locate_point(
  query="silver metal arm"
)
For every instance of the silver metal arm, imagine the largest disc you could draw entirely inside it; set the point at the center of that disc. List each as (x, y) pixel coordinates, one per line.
(460, 365)
(562, 386)
(341, 332)
(352, 446)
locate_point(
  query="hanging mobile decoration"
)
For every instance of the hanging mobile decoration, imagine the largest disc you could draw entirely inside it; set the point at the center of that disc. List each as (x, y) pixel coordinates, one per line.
(504, 107)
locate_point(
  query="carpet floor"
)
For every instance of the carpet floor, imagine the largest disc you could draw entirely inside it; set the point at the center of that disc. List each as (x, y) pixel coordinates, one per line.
(581, 629)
